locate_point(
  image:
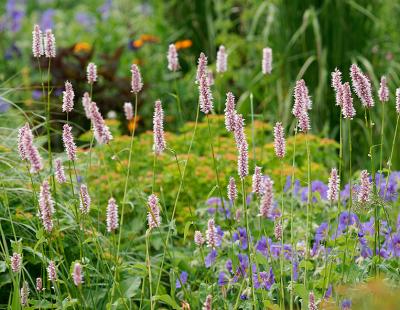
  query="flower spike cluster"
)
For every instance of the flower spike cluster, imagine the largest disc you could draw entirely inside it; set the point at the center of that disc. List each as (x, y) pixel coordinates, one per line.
(230, 112)
(91, 73)
(172, 57)
(153, 216)
(266, 64)
(112, 215)
(49, 44)
(337, 85)
(128, 110)
(364, 193)
(279, 141)
(27, 150)
(46, 206)
(333, 186)
(348, 110)
(136, 82)
(68, 98)
(86, 102)
(232, 190)
(69, 144)
(257, 181)
(59, 171)
(77, 274)
(211, 234)
(222, 60)
(84, 199)
(101, 131)
(267, 198)
(159, 145)
(37, 42)
(383, 90)
(361, 86)
(302, 103)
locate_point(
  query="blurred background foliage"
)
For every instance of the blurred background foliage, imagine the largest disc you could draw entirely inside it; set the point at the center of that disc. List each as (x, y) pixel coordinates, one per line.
(309, 39)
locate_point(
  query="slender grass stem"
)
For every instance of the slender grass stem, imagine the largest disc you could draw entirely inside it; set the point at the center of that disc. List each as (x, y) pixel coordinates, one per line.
(148, 265)
(308, 207)
(291, 217)
(246, 217)
(350, 202)
(282, 239)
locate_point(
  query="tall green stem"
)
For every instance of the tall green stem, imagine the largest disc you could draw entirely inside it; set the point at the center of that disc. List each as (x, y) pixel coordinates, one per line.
(308, 206)
(246, 218)
(350, 203)
(291, 217)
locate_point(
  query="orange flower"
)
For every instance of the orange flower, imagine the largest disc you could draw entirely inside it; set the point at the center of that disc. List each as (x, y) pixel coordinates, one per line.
(132, 125)
(183, 44)
(137, 43)
(82, 47)
(149, 38)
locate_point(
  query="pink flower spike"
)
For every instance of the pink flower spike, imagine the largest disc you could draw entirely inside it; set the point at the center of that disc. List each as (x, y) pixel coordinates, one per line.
(136, 83)
(257, 180)
(86, 102)
(153, 216)
(348, 110)
(112, 215)
(91, 73)
(84, 199)
(24, 294)
(210, 77)
(304, 122)
(267, 198)
(278, 230)
(198, 238)
(238, 130)
(311, 302)
(211, 234)
(383, 90)
(361, 86)
(172, 57)
(243, 161)
(46, 206)
(201, 67)
(68, 98)
(230, 112)
(27, 150)
(21, 141)
(37, 42)
(364, 193)
(266, 64)
(337, 85)
(69, 144)
(52, 271)
(205, 95)
(128, 110)
(279, 141)
(77, 274)
(101, 131)
(333, 186)
(302, 101)
(16, 262)
(208, 303)
(39, 284)
(398, 100)
(232, 190)
(59, 171)
(159, 144)
(222, 60)
(49, 44)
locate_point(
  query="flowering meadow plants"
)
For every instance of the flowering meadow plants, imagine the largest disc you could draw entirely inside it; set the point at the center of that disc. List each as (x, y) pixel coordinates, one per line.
(228, 213)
